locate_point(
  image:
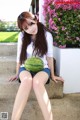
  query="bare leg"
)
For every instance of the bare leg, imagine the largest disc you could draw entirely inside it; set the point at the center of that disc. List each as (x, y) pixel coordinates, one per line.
(22, 95)
(39, 81)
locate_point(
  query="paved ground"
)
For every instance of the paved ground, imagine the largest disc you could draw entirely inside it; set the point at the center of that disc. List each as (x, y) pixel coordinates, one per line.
(67, 108)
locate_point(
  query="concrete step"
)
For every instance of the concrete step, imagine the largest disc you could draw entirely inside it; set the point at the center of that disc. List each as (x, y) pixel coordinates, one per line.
(8, 49)
(7, 69)
(9, 89)
(7, 64)
(67, 108)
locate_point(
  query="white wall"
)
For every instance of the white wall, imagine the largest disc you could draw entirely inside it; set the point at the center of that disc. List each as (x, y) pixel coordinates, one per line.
(41, 17)
(68, 66)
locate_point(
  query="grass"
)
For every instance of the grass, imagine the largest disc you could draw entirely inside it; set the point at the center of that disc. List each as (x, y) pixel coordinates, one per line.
(8, 36)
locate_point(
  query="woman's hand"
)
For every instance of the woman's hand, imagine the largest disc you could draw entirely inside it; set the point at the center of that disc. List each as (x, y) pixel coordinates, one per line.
(13, 78)
(57, 78)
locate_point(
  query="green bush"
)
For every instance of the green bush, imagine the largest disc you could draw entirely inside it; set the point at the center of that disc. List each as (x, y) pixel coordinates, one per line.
(64, 22)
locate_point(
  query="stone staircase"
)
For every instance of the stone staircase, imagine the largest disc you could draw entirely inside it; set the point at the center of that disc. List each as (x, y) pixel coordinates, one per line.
(8, 89)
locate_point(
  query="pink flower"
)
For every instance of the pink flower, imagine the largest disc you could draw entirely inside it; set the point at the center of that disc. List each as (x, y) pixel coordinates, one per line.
(54, 27)
(54, 15)
(77, 38)
(67, 4)
(59, 19)
(52, 24)
(62, 46)
(63, 28)
(66, 33)
(48, 8)
(51, 12)
(51, 21)
(55, 43)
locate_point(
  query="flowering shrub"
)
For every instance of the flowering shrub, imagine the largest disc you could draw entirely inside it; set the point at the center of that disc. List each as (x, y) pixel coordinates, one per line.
(62, 17)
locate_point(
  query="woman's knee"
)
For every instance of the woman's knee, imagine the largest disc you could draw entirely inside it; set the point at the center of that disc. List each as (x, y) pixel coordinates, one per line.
(26, 81)
(25, 78)
(36, 83)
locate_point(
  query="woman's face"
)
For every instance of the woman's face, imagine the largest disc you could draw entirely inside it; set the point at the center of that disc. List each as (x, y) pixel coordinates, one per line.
(30, 26)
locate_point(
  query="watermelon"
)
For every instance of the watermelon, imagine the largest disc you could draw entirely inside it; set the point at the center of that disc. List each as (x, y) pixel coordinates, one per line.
(34, 64)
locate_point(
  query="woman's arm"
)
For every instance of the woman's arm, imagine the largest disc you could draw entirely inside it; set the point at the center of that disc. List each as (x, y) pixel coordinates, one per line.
(50, 61)
(19, 46)
(51, 65)
(17, 68)
(15, 77)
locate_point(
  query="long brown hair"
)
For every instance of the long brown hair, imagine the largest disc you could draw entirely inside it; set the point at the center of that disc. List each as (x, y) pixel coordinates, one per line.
(40, 44)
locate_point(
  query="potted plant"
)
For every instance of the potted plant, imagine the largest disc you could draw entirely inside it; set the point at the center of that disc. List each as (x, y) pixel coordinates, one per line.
(62, 17)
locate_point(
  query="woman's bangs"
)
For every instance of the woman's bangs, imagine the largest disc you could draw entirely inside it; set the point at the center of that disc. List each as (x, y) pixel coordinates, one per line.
(20, 23)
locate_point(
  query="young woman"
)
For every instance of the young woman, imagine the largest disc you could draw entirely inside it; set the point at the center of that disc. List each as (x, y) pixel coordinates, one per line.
(34, 39)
